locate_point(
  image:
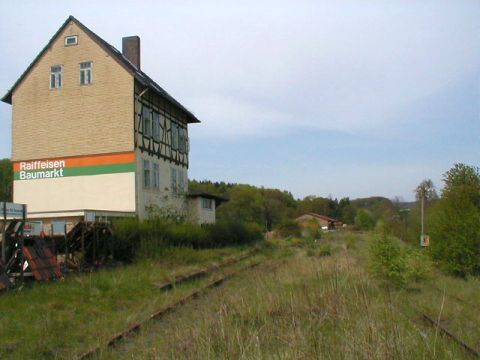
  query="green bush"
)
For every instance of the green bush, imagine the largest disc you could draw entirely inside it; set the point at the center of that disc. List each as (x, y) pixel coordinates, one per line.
(289, 228)
(454, 222)
(364, 220)
(126, 239)
(387, 262)
(419, 265)
(311, 228)
(325, 250)
(351, 241)
(226, 233)
(455, 235)
(149, 238)
(397, 264)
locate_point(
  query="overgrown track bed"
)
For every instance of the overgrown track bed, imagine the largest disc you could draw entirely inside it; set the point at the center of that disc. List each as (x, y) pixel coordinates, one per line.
(171, 307)
(201, 272)
(434, 323)
(453, 325)
(457, 298)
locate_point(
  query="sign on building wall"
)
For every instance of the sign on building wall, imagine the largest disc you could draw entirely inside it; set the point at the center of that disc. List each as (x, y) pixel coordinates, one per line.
(11, 210)
(74, 166)
(73, 184)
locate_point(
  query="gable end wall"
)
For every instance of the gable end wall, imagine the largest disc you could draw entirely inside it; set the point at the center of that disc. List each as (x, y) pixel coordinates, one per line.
(74, 120)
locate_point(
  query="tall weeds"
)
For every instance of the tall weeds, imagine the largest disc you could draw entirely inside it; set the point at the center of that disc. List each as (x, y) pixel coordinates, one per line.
(150, 238)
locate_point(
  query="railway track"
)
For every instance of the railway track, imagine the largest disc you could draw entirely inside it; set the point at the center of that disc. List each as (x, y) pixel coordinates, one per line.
(216, 281)
(201, 272)
(444, 330)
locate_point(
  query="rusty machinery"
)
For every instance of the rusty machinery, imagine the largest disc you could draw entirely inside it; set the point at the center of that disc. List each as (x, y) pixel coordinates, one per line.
(86, 245)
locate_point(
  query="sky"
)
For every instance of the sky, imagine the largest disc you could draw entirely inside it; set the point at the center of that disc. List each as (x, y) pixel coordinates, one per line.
(327, 98)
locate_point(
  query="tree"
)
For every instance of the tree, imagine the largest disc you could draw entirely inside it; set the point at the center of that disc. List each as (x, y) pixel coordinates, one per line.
(6, 180)
(246, 204)
(463, 178)
(455, 232)
(364, 220)
(455, 222)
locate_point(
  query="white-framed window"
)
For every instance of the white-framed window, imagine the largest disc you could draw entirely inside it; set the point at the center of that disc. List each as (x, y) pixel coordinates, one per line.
(174, 136)
(86, 73)
(56, 77)
(156, 125)
(207, 204)
(71, 40)
(147, 121)
(156, 176)
(146, 173)
(173, 179)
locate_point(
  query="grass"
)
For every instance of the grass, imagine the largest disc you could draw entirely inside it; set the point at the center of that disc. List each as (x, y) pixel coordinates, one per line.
(60, 319)
(306, 300)
(311, 307)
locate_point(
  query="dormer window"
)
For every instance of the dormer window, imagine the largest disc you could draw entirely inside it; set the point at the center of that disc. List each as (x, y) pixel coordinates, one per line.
(71, 40)
(86, 73)
(56, 77)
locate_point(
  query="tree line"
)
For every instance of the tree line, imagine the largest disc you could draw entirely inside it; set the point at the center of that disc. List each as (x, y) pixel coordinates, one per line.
(452, 219)
(272, 207)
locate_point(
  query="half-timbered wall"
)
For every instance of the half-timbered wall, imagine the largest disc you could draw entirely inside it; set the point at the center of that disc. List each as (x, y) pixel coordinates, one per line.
(161, 139)
(166, 196)
(172, 144)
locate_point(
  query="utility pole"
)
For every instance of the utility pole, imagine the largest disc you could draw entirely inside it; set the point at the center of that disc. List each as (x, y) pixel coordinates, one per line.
(4, 235)
(425, 191)
(422, 217)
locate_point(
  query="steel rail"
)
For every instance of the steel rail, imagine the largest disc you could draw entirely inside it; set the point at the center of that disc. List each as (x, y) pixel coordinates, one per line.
(445, 331)
(201, 272)
(163, 311)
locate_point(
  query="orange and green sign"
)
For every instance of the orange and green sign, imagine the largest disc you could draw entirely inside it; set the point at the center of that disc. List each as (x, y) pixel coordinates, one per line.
(74, 166)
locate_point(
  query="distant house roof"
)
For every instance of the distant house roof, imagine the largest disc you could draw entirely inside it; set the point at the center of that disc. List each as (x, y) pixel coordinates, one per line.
(322, 217)
(139, 75)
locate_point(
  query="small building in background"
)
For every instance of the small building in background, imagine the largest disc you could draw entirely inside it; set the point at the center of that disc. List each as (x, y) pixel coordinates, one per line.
(202, 206)
(325, 222)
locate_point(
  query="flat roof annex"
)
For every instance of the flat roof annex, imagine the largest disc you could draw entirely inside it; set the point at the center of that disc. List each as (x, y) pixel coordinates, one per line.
(138, 74)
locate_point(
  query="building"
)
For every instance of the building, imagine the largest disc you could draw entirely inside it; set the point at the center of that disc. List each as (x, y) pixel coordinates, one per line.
(94, 137)
(325, 222)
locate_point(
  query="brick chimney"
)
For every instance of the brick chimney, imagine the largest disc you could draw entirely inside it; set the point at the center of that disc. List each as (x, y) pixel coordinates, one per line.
(131, 49)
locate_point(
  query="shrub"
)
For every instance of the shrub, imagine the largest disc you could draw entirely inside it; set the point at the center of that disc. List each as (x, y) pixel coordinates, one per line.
(364, 220)
(126, 239)
(149, 238)
(387, 262)
(312, 229)
(455, 235)
(455, 229)
(325, 250)
(397, 264)
(289, 228)
(320, 251)
(419, 266)
(226, 233)
(351, 241)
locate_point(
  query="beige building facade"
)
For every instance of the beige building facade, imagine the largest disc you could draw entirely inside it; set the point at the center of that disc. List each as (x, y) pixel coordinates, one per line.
(93, 135)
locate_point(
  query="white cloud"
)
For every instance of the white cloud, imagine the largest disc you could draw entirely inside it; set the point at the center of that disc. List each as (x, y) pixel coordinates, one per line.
(336, 67)
(263, 68)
